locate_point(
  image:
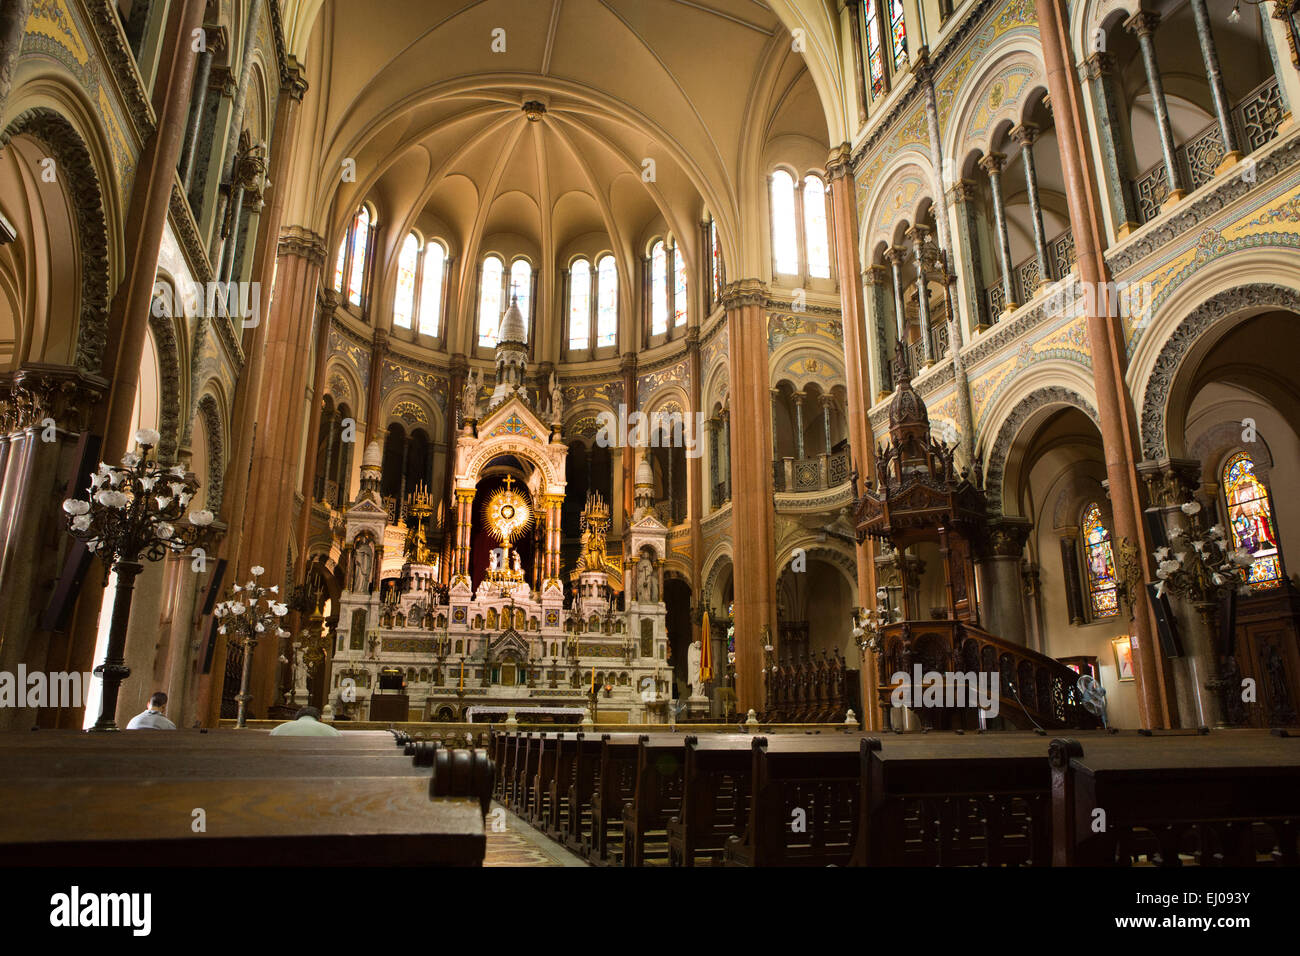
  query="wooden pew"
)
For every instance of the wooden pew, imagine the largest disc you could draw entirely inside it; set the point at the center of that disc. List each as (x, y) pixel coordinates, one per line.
(526, 772)
(656, 799)
(1228, 799)
(502, 744)
(810, 780)
(515, 783)
(715, 798)
(539, 790)
(614, 788)
(582, 792)
(555, 822)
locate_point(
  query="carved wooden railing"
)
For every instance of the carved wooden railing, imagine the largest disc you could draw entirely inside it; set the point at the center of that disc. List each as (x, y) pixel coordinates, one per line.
(1033, 689)
(811, 689)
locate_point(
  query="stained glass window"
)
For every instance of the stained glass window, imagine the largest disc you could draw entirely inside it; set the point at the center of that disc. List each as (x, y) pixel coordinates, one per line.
(489, 301)
(404, 301)
(521, 286)
(679, 287)
(435, 267)
(897, 34)
(875, 60)
(1250, 515)
(658, 289)
(606, 302)
(814, 226)
(360, 245)
(784, 243)
(1101, 564)
(580, 305)
(338, 264)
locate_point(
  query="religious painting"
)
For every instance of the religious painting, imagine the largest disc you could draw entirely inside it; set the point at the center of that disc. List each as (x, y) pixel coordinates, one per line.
(1100, 561)
(1250, 516)
(1123, 649)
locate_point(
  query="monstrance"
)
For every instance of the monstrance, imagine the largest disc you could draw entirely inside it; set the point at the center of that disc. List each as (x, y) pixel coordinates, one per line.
(508, 515)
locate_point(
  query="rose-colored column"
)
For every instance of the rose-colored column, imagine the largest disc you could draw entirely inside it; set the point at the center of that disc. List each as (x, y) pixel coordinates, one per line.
(1114, 404)
(751, 500)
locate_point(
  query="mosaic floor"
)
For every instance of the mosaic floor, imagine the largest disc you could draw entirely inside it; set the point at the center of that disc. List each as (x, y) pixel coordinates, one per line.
(512, 842)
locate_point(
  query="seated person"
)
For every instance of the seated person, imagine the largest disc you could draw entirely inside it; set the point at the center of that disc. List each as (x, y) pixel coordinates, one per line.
(307, 723)
(151, 718)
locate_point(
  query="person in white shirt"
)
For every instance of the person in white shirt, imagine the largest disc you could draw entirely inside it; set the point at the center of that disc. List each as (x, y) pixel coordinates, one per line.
(307, 723)
(152, 718)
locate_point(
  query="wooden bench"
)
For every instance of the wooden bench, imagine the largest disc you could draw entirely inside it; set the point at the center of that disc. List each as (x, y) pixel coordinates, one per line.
(556, 819)
(656, 799)
(804, 808)
(614, 788)
(581, 794)
(539, 790)
(715, 798)
(1228, 799)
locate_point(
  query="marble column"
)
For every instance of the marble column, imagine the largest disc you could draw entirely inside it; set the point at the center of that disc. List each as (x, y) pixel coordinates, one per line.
(236, 128)
(329, 302)
(375, 395)
(1143, 25)
(1001, 587)
(1025, 134)
(896, 255)
(1120, 441)
(877, 297)
(753, 521)
(213, 43)
(798, 424)
(826, 420)
(1068, 537)
(1214, 75)
(695, 468)
(725, 470)
(969, 264)
(993, 164)
(918, 236)
(1113, 142)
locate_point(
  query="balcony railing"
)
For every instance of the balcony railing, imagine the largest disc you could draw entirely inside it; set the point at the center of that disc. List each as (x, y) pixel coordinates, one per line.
(1256, 119)
(820, 473)
(1026, 276)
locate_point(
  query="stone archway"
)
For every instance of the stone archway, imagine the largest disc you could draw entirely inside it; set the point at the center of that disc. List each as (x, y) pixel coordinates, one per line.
(1232, 303)
(1012, 425)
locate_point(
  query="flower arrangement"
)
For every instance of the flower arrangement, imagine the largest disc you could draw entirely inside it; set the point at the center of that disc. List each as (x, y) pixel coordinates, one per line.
(1199, 564)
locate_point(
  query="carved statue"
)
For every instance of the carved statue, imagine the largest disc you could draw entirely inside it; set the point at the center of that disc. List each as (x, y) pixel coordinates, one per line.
(469, 397)
(516, 564)
(494, 562)
(694, 658)
(557, 399)
(646, 582)
(363, 563)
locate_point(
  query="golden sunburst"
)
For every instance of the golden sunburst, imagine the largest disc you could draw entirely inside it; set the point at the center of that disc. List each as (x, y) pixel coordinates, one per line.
(507, 513)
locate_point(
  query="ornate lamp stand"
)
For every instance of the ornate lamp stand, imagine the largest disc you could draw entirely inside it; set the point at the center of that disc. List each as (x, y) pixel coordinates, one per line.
(248, 614)
(131, 515)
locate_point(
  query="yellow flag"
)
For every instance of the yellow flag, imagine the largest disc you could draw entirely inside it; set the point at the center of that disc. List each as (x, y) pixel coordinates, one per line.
(706, 649)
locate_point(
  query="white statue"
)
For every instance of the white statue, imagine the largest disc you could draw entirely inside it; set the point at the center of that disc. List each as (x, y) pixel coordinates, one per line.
(469, 396)
(645, 581)
(557, 399)
(694, 659)
(495, 560)
(516, 563)
(363, 562)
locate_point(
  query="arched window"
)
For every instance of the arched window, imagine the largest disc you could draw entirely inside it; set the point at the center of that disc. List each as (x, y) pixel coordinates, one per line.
(360, 250)
(785, 248)
(339, 263)
(875, 59)
(408, 261)
(606, 302)
(897, 34)
(580, 305)
(521, 287)
(435, 274)
(1250, 516)
(1103, 598)
(679, 287)
(658, 289)
(489, 301)
(816, 241)
(715, 263)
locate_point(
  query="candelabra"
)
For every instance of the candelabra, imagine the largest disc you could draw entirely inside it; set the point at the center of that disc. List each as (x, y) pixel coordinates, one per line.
(131, 514)
(249, 613)
(868, 622)
(1198, 565)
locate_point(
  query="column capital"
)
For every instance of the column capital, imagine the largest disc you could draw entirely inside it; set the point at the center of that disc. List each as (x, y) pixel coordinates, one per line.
(302, 242)
(918, 236)
(1170, 481)
(628, 362)
(459, 365)
(293, 78)
(875, 275)
(963, 191)
(1025, 134)
(1067, 532)
(1007, 536)
(1143, 23)
(826, 401)
(838, 163)
(1098, 65)
(743, 292)
(379, 342)
(329, 302)
(216, 39)
(896, 255)
(993, 163)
